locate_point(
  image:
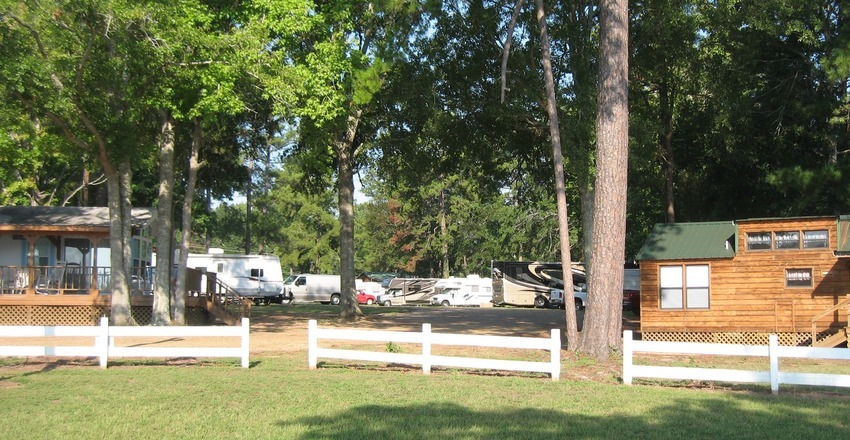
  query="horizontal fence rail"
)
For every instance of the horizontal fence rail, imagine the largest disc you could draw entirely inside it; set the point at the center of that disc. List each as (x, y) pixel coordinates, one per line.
(773, 352)
(104, 346)
(428, 339)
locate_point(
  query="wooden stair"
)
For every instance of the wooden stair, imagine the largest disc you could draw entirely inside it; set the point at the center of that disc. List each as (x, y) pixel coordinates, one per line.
(226, 305)
(842, 336)
(833, 340)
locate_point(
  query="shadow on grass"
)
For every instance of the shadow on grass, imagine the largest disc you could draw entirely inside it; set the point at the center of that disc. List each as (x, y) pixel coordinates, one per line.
(714, 417)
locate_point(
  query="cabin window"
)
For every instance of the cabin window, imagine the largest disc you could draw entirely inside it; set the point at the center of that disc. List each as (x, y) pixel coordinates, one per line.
(815, 239)
(758, 241)
(798, 277)
(788, 240)
(684, 287)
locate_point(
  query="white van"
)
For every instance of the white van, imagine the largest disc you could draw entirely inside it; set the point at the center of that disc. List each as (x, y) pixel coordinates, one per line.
(312, 288)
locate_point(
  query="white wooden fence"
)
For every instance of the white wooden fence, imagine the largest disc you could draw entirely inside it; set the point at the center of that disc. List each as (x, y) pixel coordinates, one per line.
(773, 352)
(428, 339)
(104, 341)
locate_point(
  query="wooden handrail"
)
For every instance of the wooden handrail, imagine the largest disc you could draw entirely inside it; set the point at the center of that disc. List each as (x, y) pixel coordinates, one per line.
(221, 296)
(840, 304)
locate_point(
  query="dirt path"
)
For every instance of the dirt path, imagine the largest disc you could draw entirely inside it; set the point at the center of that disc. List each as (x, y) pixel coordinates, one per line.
(287, 329)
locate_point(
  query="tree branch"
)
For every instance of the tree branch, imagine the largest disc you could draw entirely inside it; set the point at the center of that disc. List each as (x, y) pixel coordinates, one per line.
(98, 181)
(506, 50)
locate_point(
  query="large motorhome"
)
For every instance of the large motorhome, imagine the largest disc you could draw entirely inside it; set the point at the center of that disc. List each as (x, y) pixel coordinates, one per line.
(530, 283)
(256, 277)
(470, 291)
(408, 290)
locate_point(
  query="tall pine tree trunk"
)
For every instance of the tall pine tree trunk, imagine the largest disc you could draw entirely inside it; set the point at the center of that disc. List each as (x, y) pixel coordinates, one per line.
(560, 186)
(444, 233)
(666, 104)
(603, 319)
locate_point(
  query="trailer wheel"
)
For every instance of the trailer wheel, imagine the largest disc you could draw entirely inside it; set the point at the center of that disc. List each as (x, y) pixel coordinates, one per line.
(335, 299)
(541, 302)
(445, 303)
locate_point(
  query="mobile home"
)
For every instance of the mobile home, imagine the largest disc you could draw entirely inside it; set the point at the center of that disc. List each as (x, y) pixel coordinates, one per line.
(739, 281)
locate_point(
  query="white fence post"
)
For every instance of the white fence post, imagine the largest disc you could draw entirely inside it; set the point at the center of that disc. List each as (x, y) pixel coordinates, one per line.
(426, 349)
(627, 357)
(773, 354)
(555, 354)
(246, 341)
(312, 343)
(102, 341)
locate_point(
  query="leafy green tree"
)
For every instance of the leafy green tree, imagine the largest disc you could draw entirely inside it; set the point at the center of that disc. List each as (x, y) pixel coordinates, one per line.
(83, 68)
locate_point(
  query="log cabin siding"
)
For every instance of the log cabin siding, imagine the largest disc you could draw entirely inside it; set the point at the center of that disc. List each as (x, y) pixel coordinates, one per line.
(748, 292)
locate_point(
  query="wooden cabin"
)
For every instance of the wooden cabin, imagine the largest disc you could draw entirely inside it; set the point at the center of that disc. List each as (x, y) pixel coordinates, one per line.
(55, 267)
(738, 282)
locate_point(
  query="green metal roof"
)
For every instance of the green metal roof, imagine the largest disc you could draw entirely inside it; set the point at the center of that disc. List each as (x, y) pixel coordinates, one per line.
(689, 241)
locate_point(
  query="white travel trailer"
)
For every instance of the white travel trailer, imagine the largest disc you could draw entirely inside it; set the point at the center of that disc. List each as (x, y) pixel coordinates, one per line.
(312, 288)
(470, 291)
(257, 277)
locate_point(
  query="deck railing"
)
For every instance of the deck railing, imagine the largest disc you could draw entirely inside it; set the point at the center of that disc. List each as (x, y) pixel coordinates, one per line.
(68, 280)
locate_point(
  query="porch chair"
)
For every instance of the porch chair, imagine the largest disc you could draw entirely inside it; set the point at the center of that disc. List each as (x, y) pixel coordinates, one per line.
(22, 281)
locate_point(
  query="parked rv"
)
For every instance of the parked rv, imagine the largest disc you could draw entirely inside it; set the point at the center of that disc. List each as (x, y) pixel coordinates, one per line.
(470, 291)
(257, 277)
(408, 290)
(313, 288)
(530, 283)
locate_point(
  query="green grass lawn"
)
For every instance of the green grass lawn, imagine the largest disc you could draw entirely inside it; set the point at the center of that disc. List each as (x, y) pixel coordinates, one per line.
(279, 397)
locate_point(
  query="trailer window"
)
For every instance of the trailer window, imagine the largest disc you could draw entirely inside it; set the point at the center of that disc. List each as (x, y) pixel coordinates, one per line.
(815, 239)
(758, 241)
(685, 286)
(798, 277)
(256, 272)
(788, 240)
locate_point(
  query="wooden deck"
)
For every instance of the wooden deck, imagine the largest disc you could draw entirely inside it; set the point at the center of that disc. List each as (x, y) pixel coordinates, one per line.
(76, 309)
